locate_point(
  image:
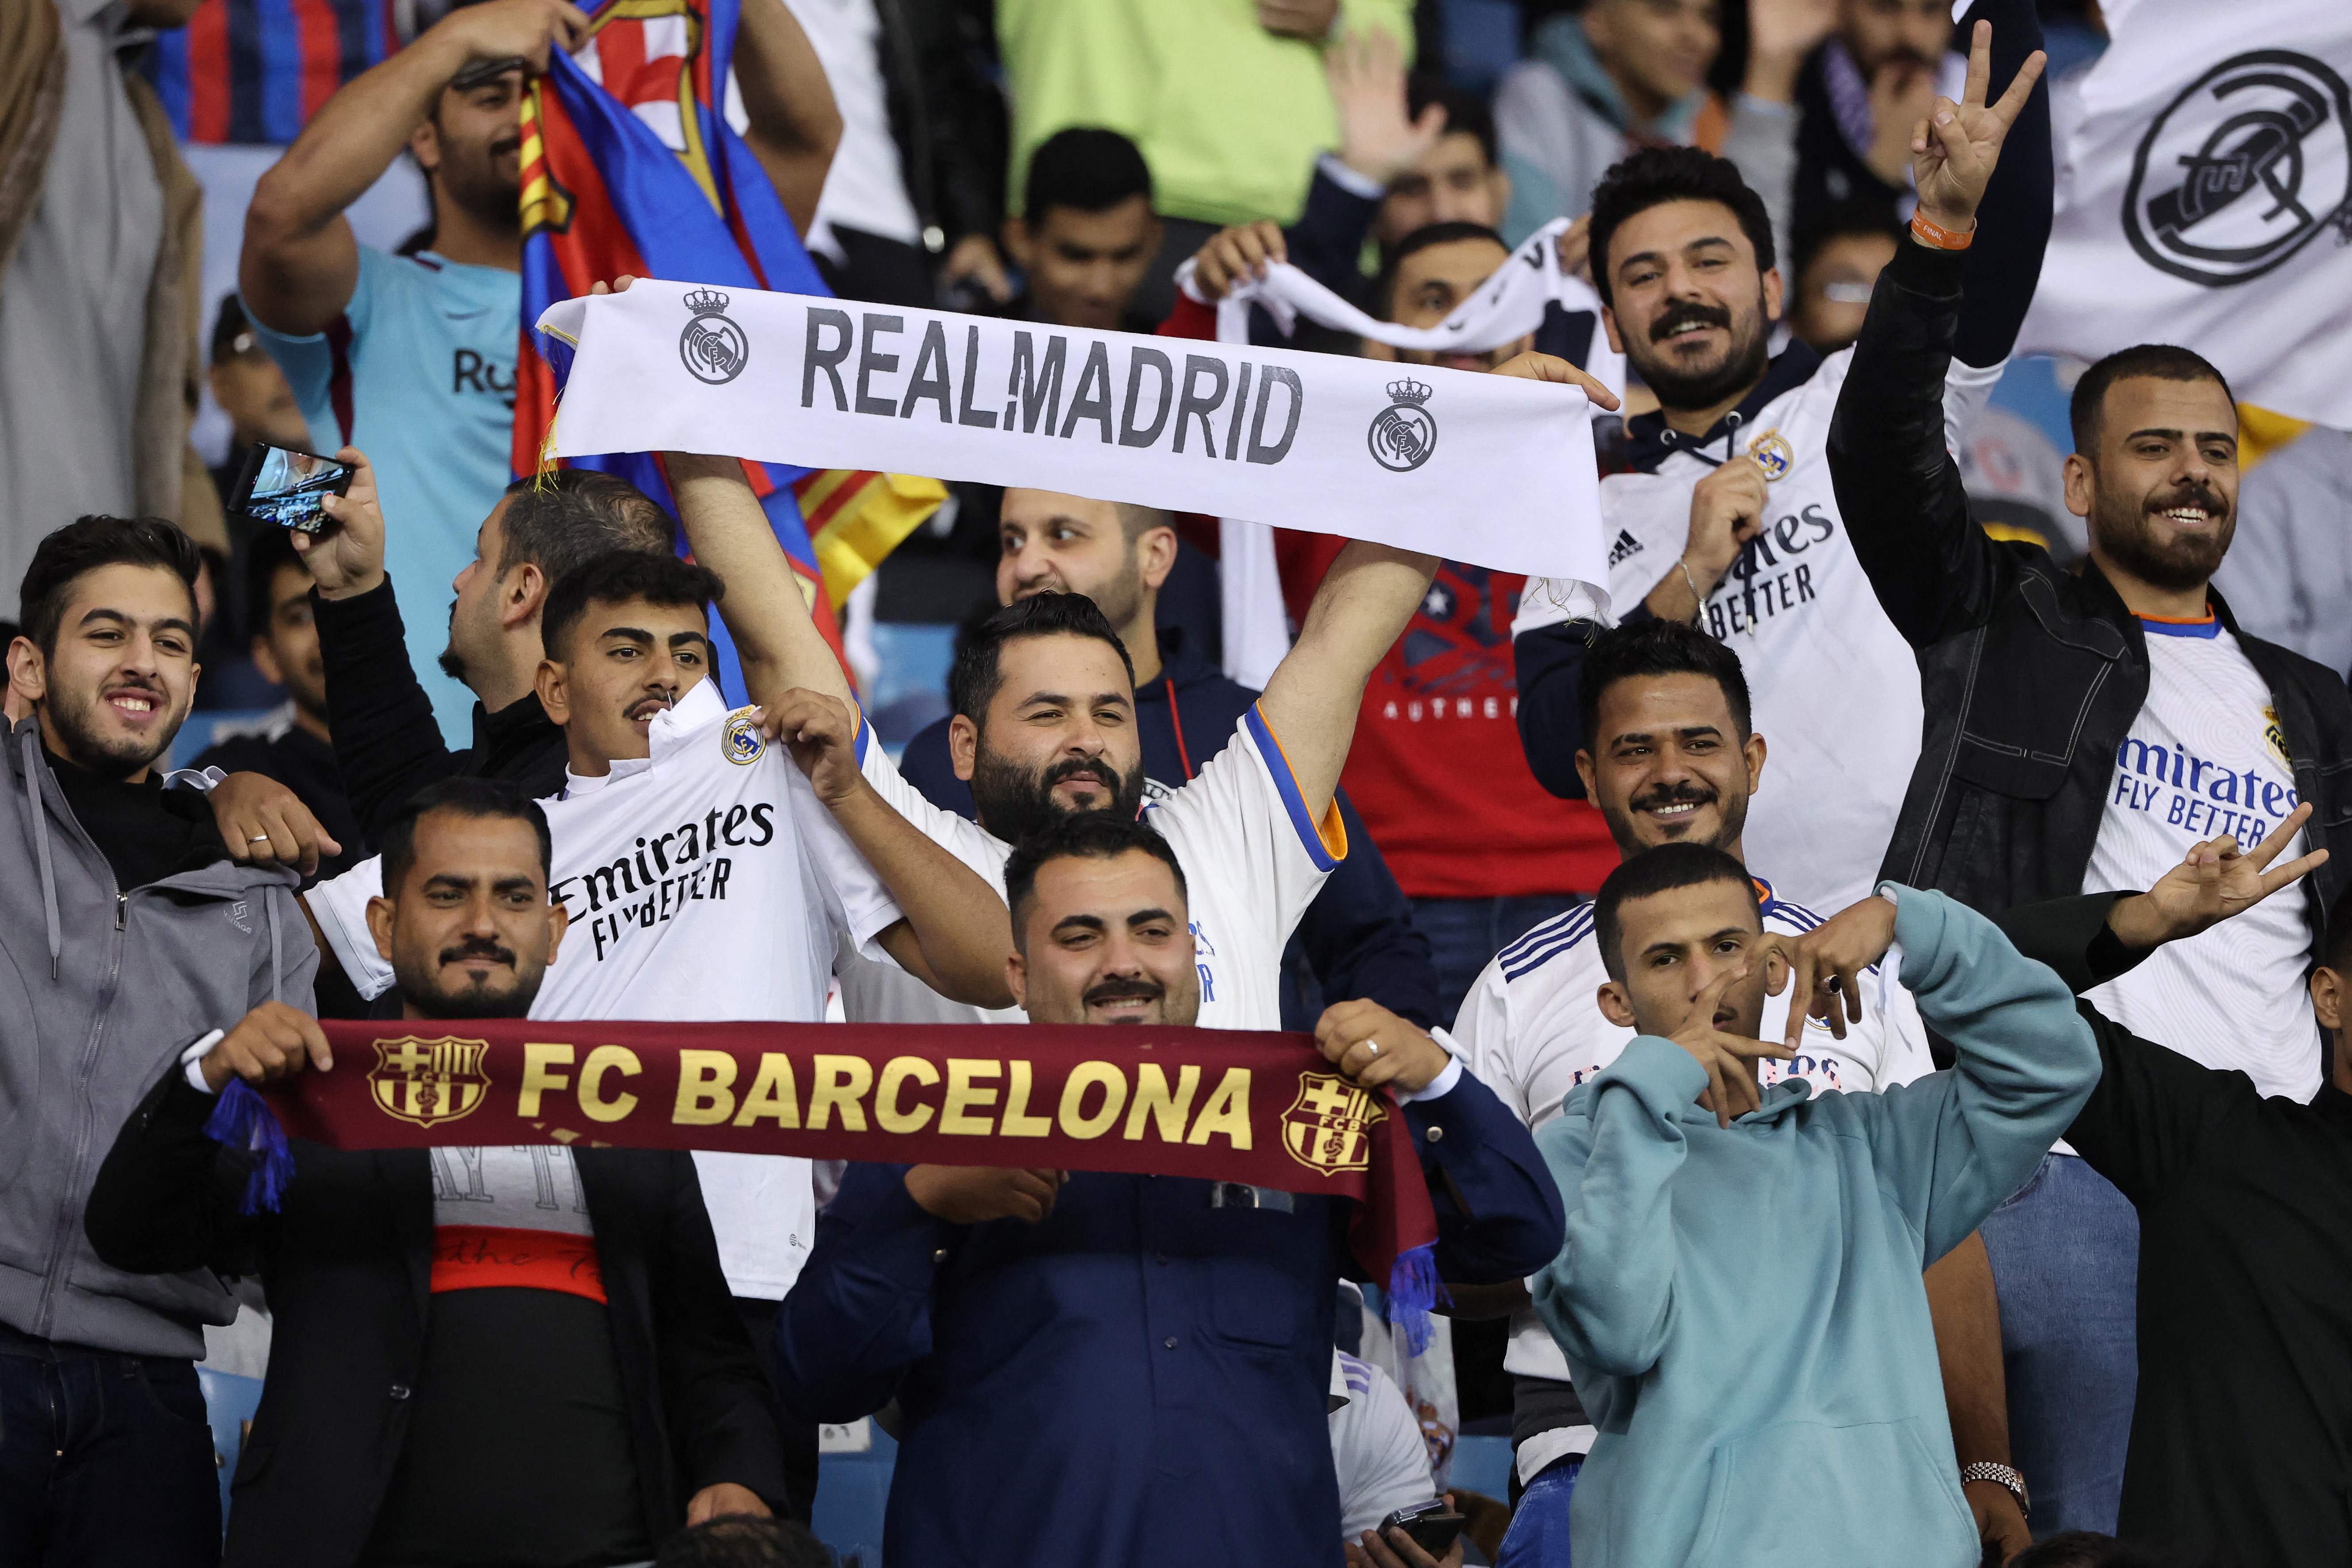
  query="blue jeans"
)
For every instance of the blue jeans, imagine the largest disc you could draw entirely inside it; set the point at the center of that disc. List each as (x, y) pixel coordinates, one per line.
(2066, 1261)
(1465, 933)
(1539, 1534)
(104, 1459)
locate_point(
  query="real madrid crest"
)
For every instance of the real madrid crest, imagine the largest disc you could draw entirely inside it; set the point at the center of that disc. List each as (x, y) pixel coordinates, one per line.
(713, 347)
(428, 1081)
(1403, 433)
(1773, 454)
(1328, 1128)
(741, 737)
(2275, 734)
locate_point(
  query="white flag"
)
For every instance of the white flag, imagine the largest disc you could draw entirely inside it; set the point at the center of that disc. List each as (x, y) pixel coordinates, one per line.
(1491, 469)
(2205, 198)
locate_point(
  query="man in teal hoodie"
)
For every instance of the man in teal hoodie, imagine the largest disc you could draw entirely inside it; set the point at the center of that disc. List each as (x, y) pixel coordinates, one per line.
(1738, 1294)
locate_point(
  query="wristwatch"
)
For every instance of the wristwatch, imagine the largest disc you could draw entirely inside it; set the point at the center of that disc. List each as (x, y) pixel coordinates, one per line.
(1985, 1470)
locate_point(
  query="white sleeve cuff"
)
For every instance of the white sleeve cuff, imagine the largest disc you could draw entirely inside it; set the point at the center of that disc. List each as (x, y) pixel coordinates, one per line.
(1354, 181)
(1443, 1084)
(191, 1060)
(203, 781)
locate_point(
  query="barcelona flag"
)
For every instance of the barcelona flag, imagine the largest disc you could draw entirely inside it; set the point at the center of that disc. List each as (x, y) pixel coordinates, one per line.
(254, 71)
(630, 166)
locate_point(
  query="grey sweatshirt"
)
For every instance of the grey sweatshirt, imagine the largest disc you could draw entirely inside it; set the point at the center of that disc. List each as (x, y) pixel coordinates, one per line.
(101, 989)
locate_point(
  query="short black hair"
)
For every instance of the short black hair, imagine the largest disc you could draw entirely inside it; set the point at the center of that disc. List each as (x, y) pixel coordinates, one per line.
(972, 683)
(621, 577)
(1085, 167)
(1654, 648)
(744, 1540)
(2338, 954)
(1079, 835)
(1463, 111)
(88, 544)
(2156, 362)
(1419, 241)
(233, 335)
(1656, 175)
(270, 552)
(559, 521)
(1870, 216)
(477, 798)
(1659, 870)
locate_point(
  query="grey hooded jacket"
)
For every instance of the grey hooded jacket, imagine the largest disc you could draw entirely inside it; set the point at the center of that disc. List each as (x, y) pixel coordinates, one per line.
(100, 992)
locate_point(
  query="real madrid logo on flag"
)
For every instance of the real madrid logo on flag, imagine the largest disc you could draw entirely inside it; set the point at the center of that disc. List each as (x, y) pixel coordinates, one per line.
(741, 738)
(1403, 435)
(713, 347)
(1327, 1129)
(428, 1081)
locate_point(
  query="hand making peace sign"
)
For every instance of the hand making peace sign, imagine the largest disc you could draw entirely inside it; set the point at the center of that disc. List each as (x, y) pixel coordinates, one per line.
(1953, 151)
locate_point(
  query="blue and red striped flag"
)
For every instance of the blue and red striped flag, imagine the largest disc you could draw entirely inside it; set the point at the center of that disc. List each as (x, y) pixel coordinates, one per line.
(629, 166)
(254, 71)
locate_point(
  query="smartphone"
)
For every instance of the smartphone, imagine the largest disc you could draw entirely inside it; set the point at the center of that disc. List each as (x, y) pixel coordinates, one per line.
(1432, 1526)
(286, 487)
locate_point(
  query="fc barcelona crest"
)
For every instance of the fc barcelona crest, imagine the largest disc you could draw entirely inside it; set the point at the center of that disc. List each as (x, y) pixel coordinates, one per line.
(1328, 1128)
(428, 1081)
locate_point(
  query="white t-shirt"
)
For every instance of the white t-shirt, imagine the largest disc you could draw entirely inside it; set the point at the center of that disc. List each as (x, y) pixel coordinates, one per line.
(1834, 686)
(1253, 862)
(1376, 1447)
(706, 882)
(2206, 757)
(864, 187)
(1532, 1030)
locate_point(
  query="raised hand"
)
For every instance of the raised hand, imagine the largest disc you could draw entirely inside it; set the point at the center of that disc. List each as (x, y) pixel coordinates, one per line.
(347, 559)
(2215, 881)
(1378, 137)
(1533, 366)
(525, 28)
(1826, 966)
(1729, 1059)
(822, 733)
(263, 823)
(271, 1042)
(1955, 145)
(1373, 1045)
(1245, 251)
(1780, 35)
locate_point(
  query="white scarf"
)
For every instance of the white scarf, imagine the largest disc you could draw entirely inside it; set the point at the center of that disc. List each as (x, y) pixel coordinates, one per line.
(1490, 469)
(1508, 307)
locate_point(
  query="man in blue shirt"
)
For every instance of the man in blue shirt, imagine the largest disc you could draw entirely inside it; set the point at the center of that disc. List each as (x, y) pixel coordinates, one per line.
(412, 356)
(1109, 1370)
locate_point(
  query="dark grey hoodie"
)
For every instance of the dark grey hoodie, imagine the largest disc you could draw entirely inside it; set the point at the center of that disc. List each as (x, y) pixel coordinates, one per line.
(101, 989)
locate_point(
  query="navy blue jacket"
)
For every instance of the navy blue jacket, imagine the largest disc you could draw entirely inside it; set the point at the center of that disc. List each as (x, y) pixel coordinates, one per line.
(1357, 936)
(1142, 1379)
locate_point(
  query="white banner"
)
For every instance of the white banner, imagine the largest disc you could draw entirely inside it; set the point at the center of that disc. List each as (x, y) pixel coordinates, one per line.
(1490, 469)
(2205, 198)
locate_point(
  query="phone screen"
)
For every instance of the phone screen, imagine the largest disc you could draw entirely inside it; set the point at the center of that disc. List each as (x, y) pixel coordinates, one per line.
(286, 487)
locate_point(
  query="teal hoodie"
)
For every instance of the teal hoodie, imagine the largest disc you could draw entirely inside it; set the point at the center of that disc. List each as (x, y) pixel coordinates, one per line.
(1741, 1308)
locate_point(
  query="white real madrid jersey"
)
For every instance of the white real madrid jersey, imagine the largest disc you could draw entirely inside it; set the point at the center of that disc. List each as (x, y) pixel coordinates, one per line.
(704, 883)
(1834, 688)
(2206, 757)
(1253, 861)
(1532, 1030)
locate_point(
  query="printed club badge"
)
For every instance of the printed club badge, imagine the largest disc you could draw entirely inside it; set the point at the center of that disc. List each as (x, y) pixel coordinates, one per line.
(1328, 1128)
(1772, 455)
(739, 738)
(2275, 734)
(428, 1081)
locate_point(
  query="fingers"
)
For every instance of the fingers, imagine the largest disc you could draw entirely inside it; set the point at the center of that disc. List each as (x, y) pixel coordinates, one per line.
(2282, 836)
(314, 1041)
(1534, 366)
(2293, 870)
(2012, 102)
(1980, 65)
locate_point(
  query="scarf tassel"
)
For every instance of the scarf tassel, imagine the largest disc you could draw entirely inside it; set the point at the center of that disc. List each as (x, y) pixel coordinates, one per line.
(1413, 1291)
(243, 1119)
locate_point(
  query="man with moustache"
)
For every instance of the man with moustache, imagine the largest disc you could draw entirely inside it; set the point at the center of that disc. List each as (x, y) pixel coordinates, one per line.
(1122, 1369)
(412, 356)
(126, 934)
(2086, 728)
(1729, 518)
(493, 1355)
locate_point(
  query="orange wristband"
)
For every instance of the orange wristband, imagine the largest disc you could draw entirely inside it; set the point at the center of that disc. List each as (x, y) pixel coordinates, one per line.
(1936, 237)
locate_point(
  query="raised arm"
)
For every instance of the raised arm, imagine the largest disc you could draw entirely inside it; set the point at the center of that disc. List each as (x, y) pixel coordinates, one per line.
(301, 262)
(794, 125)
(1898, 487)
(767, 614)
(2004, 265)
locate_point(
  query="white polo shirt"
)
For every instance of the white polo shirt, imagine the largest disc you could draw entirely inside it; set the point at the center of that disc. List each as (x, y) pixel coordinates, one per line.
(706, 882)
(1253, 861)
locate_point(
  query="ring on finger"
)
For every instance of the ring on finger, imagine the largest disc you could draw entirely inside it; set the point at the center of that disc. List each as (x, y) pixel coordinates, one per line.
(258, 839)
(1373, 1046)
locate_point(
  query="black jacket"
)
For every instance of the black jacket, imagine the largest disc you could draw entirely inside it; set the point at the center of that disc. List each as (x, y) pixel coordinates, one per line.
(1356, 937)
(347, 1265)
(2031, 675)
(388, 744)
(946, 114)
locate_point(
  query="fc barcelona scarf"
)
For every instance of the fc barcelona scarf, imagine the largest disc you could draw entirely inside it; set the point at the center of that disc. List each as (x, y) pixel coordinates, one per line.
(1226, 1105)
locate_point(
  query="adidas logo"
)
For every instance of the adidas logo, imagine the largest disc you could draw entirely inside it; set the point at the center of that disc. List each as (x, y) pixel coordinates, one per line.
(1626, 545)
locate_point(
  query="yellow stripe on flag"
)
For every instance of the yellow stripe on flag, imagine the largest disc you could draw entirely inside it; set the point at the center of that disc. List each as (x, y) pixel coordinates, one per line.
(856, 518)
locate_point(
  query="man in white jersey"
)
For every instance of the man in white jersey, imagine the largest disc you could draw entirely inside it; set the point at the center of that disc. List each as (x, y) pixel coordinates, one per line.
(1044, 724)
(481, 1354)
(1675, 759)
(2085, 729)
(1729, 519)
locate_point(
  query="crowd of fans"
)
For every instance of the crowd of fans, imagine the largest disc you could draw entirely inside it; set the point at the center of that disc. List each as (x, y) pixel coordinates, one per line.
(1866, 989)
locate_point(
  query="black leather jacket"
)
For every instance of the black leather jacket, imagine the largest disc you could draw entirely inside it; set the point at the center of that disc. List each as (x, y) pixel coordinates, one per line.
(2031, 675)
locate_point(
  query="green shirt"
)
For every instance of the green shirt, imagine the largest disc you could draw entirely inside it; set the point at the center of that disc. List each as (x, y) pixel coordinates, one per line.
(1228, 116)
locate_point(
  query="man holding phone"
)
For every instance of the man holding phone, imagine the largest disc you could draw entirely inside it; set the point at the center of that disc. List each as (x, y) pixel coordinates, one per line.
(412, 356)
